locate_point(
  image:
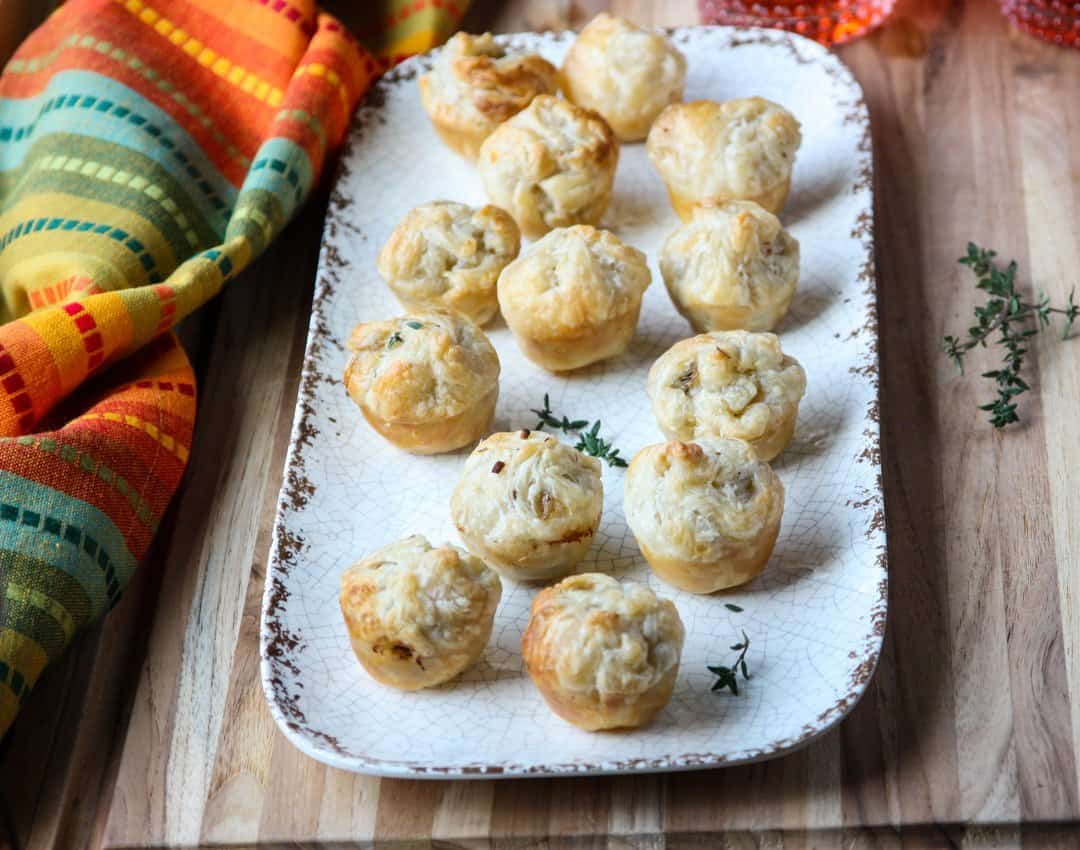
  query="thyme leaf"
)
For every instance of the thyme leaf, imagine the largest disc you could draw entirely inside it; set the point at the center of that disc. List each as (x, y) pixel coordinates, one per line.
(728, 677)
(589, 439)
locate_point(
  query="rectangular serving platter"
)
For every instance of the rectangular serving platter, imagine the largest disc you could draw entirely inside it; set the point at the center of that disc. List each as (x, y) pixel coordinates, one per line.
(815, 617)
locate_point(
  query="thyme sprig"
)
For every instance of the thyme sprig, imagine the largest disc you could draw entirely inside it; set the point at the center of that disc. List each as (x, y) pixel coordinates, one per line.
(589, 439)
(728, 677)
(1013, 320)
(593, 444)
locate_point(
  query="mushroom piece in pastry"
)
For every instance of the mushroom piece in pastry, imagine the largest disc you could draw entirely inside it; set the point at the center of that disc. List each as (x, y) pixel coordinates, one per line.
(626, 73)
(427, 382)
(418, 615)
(706, 515)
(528, 504)
(738, 150)
(732, 267)
(604, 654)
(573, 297)
(475, 85)
(728, 384)
(551, 165)
(449, 255)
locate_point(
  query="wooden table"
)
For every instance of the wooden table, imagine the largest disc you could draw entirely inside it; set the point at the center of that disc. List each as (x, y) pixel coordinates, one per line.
(154, 730)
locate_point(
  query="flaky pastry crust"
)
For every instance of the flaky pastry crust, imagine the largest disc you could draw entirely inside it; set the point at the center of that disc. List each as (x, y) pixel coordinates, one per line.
(427, 382)
(528, 504)
(736, 384)
(574, 297)
(625, 73)
(732, 267)
(604, 654)
(418, 615)
(551, 165)
(475, 85)
(449, 255)
(706, 515)
(739, 150)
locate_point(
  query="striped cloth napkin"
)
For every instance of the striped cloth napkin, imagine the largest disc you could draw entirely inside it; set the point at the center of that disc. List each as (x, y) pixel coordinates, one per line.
(149, 151)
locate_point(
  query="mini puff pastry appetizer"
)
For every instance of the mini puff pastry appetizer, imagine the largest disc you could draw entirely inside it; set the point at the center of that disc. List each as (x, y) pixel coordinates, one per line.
(728, 384)
(449, 255)
(427, 382)
(528, 504)
(574, 297)
(706, 515)
(475, 85)
(739, 150)
(551, 165)
(733, 267)
(417, 616)
(625, 73)
(604, 655)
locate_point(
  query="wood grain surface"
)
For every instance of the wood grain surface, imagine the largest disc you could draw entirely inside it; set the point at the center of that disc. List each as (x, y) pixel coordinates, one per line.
(154, 732)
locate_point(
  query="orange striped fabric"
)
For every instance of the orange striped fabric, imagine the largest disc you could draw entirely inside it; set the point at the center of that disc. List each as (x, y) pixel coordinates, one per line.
(149, 152)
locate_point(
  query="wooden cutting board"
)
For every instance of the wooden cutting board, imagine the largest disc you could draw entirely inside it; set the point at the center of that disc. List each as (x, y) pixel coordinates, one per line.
(154, 731)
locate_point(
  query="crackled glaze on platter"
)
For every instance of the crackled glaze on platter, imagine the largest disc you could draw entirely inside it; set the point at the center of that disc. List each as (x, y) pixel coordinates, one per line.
(815, 617)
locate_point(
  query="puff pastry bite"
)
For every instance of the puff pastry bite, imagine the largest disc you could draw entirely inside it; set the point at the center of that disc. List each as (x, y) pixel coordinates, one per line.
(427, 382)
(418, 615)
(475, 85)
(626, 73)
(738, 150)
(706, 515)
(449, 255)
(603, 654)
(528, 504)
(574, 297)
(733, 267)
(728, 384)
(551, 165)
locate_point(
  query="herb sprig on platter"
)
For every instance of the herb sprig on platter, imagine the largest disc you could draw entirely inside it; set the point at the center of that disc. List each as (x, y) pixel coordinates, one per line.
(1014, 320)
(589, 439)
(728, 677)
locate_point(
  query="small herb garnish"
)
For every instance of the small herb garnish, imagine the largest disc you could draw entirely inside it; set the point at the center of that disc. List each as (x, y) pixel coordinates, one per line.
(589, 441)
(549, 419)
(394, 339)
(593, 444)
(414, 325)
(731, 606)
(1014, 320)
(728, 677)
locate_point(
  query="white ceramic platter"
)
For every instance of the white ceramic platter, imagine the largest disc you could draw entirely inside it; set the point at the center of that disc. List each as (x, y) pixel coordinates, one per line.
(815, 617)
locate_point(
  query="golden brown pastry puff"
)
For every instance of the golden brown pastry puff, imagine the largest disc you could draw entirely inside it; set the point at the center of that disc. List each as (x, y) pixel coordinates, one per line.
(706, 515)
(733, 267)
(427, 382)
(574, 297)
(728, 384)
(418, 615)
(738, 150)
(604, 654)
(551, 165)
(449, 255)
(626, 73)
(475, 85)
(528, 504)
